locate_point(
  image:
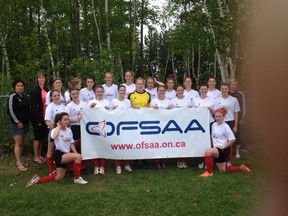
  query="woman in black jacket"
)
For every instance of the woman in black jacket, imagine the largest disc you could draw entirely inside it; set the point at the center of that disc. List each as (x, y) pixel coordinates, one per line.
(37, 98)
(18, 108)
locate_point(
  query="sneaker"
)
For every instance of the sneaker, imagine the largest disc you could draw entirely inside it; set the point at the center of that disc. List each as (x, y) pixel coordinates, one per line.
(228, 163)
(118, 170)
(80, 180)
(237, 156)
(164, 166)
(244, 168)
(158, 166)
(180, 165)
(206, 174)
(128, 168)
(32, 181)
(102, 170)
(201, 165)
(184, 164)
(96, 170)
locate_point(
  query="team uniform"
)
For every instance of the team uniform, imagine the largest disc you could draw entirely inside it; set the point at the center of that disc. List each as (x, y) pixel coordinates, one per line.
(110, 92)
(129, 88)
(170, 94)
(141, 100)
(232, 106)
(206, 102)
(48, 101)
(183, 102)
(191, 94)
(121, 104)
(152, 92)
(99, 104)
(53, 109)
(86, 95)
(161, 103)
(214, 93)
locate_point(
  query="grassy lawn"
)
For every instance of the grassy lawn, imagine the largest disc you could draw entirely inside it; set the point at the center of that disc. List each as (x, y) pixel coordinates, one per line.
(141, 192)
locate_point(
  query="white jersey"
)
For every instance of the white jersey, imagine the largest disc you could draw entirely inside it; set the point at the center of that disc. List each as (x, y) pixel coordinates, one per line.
(214, 93)
(221, 134)
(152, 92)
(230, 103)
(48, 101)
(170, 94)
(63, 140)
(67, 97)
(129, 89)
(191, 94)
(86, 95)
(184, 102)
(110, 92)
(161, 103)
(53, 109)
(206, 102)
(74, 110)
(99, 104)
(121, 104)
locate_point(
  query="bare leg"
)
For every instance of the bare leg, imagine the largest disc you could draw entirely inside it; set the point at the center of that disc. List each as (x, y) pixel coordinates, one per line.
(36, 145)
(18, 148)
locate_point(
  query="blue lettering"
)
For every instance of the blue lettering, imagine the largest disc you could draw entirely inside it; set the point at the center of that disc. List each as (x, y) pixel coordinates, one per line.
(191, 128)
(175, 128)
(126, 128)
(150, 126)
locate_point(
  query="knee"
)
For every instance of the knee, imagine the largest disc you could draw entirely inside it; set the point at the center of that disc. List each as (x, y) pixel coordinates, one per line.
(79, 157)
(58, 177)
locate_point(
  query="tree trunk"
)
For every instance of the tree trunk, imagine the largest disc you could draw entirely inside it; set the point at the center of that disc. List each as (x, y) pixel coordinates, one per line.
(134, 37)
(199, 64)
(5, 58)
(97, 26)
(108, 29)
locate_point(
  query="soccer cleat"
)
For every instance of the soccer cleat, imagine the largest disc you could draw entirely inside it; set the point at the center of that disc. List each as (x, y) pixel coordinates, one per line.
(237, 155)
(128, 168)
(206, 174)
(80, 180)
(118, 170)
(244, 168)
(184, 164)
(164, 166)
(102, 170)
(33, 181)
(158, 166)
(96, 170)
(228, 163)
(180, 165)
(201, 165)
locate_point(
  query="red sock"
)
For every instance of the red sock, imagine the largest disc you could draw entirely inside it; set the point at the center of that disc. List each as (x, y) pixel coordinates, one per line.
(46, 179)
(95, 163)
(232, 168)
(209, 163)
(117, 163)
(77, 170)
(102, 162)
(126, 163)
(50, 164)
(228, 159)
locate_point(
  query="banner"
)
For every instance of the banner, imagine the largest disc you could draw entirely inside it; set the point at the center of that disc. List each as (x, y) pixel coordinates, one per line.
(144, 133)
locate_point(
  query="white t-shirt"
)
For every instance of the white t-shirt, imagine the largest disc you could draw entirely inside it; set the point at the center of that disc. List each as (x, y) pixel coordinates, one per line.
(161, 103)
(184, 102)
(191, 94)
(206, 102)
(152, 92)
(221, 134)
(74, 110)
(110, 92)
(99, 104)
(170, 94)
(67, 97)
(129, 89)
(86, 95)
(48, 101)
(121, 104)
(53, 109)
(214, 93)
(230, 103)
(63, 140)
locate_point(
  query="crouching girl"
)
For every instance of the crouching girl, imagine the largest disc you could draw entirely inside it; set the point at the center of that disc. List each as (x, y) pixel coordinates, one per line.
(64, 143)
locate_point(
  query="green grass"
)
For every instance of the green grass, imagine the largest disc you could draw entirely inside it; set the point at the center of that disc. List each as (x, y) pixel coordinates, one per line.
(141, 192)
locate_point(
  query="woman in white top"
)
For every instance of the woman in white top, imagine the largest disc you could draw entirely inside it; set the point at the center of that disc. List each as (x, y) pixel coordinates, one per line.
(110, 89)
(189, 92)
(212, 91)
(64, 143)
(130, 86)
(52, 109)
(75, 82)
(181, 101)
(121, 103)
(161, 103)
(170, 92)
(57, 84)
(222, 138)
(87, 93)
(99, 103)
(151, 89)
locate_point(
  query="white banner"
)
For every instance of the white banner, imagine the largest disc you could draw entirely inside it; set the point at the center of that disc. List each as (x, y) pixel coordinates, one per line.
(144, 133)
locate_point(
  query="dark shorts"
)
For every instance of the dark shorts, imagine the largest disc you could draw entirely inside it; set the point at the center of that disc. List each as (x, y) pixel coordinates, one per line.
(76, 132)
(57, 158)
(15, 130)
(223, 154)
(40, 131)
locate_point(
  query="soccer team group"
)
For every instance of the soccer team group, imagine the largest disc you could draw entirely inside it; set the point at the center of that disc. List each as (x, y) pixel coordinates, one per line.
(60, 112)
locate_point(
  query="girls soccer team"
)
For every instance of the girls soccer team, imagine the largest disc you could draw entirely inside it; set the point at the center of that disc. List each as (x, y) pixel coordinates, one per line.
(64, 122)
